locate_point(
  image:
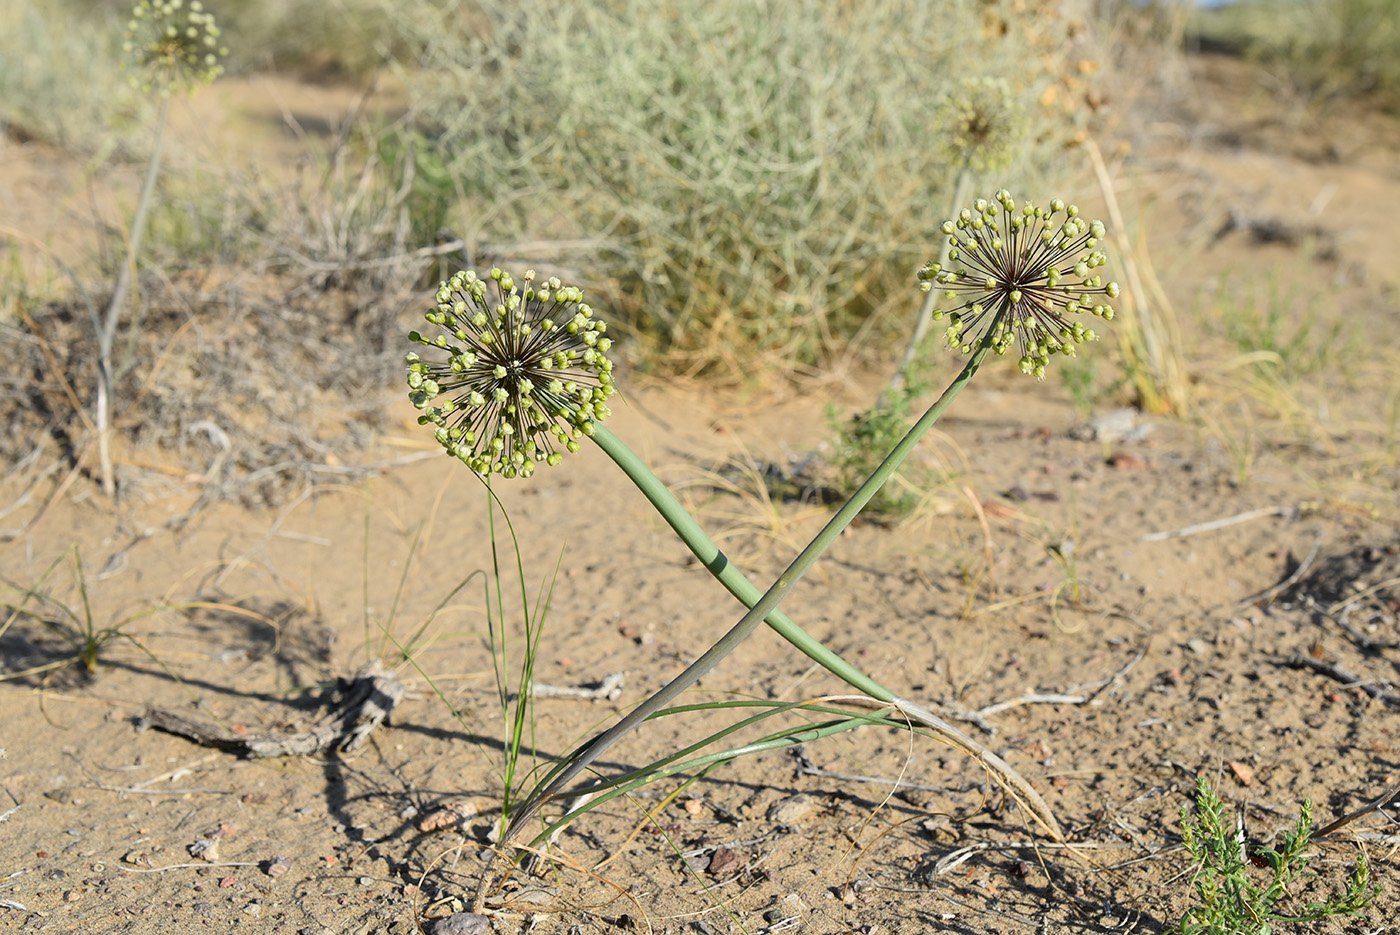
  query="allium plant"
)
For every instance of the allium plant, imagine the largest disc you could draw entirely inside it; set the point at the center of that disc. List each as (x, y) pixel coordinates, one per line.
(527, 373)
(980, 122)
(487, 390)
(1021, 278)
(170, 46)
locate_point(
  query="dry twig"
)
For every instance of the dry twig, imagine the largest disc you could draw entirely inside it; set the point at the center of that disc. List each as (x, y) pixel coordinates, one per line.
(1334, 671)
(1245, 517)
(1375, 805)
(366, 702)
(1268, 594)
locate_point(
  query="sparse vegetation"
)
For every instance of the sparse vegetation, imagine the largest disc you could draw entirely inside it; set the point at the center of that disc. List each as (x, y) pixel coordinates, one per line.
(1329, 49)
(1231, 899)
(745, 191)
(754, 189)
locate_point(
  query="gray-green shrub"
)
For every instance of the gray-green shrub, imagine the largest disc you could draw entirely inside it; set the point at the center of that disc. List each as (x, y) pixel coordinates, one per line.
(764, 174)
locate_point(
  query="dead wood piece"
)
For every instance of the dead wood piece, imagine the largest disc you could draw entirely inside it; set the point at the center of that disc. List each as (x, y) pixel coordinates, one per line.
(1268, 594)
(1378, 804)
(1335, 672)
(364, 703)
(609, 689)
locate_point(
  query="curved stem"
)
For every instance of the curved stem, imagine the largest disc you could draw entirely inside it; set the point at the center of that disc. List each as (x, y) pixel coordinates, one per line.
(718, 564)
(107, 328)
(758, 611)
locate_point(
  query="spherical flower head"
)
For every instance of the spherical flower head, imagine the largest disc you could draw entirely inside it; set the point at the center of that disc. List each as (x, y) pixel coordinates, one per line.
(1021, 276)
(980, 124)
(526, 371)
(172, 45)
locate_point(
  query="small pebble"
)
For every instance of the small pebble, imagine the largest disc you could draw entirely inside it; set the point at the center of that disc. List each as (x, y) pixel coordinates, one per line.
(460, 923)
(792, 809)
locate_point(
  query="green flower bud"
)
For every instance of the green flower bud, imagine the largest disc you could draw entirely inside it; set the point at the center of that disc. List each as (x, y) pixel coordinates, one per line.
(528, 369)
(171, 48)
(1021, 294)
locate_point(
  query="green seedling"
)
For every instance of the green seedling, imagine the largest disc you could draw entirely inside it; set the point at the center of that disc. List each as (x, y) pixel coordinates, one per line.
(1243, 890)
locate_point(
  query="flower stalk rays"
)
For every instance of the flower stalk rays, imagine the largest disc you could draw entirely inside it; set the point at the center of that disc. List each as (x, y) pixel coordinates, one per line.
(527, 372)
(171, 46)
(1020, 277)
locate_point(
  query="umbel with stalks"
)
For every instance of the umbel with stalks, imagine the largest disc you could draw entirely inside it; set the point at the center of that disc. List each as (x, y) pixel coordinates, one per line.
(172, 46)
(530, 371)
(518, 375)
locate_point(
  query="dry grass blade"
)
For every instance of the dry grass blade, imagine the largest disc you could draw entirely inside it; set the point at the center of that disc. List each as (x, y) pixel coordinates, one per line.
(1014, 783)
(1153, 328)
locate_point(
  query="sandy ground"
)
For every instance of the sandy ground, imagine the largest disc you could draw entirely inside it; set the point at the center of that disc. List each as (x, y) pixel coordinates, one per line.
(1060, 584)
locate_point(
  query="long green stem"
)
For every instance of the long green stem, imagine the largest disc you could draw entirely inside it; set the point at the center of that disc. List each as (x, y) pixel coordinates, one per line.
(761, 609)
(718, 564)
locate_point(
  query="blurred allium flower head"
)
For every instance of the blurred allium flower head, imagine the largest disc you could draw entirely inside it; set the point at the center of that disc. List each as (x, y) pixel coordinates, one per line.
(527, 372)
(980, 124)
(1021, 276)
(171, 45)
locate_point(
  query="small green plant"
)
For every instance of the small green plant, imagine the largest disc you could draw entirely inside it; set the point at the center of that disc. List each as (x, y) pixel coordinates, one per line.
(77, 626)
(513, 650)
(861, 442)
(1232, 902)
(1080, 380)
(517, 700)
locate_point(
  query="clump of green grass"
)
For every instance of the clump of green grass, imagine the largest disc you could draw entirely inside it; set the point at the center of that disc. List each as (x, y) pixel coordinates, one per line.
(78, 627)
(760, 174)
(1232, 899)
(1262, 321)
(1286, 362)
(75, 626)
(514, 649)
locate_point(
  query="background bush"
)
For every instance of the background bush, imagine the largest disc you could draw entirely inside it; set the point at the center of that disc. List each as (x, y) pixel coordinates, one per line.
(1326, 48)
(60, 75)
(765, 176)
